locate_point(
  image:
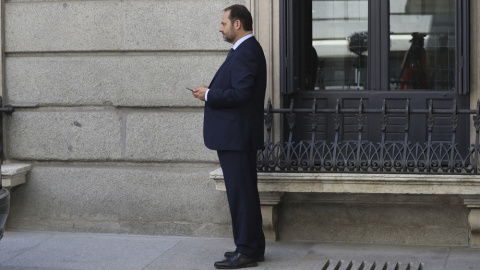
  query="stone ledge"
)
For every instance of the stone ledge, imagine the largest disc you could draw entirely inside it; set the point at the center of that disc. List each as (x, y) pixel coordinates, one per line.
(14, 174)
(364, 183)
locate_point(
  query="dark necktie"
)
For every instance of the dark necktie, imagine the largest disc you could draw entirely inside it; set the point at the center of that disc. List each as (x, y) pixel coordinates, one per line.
(229, 54)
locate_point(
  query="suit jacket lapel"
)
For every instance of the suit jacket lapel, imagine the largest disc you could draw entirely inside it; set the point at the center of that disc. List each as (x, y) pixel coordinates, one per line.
(229, 56)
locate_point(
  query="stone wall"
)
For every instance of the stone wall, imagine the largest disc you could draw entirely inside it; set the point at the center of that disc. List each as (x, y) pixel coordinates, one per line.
(102, 113)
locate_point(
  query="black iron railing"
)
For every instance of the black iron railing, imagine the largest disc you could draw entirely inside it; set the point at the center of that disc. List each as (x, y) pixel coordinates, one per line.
(407, 155)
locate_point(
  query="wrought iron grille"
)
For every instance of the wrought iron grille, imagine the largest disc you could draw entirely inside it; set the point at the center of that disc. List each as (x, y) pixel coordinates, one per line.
(365, 265)
(382, 156)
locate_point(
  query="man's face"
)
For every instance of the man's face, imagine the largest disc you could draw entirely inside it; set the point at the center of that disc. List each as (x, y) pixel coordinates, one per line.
(227, 29)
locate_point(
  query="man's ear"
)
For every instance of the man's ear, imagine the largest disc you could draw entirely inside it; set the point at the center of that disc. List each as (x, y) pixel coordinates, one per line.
(238, 24)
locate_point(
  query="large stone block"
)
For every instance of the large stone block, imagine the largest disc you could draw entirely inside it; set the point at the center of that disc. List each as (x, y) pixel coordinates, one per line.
(114, 25)
(68, 26)
(107, 135)
(174, 25)
(385, 219)
(64, 135)
(166, 135)
(160, 199)
(131, 80)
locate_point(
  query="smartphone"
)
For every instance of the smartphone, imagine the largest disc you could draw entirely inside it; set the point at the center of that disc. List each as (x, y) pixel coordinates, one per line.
(189, 89)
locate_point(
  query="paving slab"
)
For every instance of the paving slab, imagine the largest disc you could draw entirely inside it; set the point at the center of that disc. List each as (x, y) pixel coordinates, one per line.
(57, 250)
(85, 251)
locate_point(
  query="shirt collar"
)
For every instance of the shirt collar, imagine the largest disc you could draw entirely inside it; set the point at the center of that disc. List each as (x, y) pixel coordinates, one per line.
(235, 46)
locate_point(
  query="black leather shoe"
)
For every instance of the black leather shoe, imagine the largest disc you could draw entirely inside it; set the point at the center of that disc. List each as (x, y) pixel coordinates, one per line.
(229, 254)
(236, 261)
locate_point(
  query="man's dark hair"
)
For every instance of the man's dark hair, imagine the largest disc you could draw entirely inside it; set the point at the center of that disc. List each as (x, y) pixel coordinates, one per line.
(240, 12)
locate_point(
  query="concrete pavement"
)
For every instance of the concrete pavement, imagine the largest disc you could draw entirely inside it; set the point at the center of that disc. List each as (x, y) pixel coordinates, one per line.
(56, 250)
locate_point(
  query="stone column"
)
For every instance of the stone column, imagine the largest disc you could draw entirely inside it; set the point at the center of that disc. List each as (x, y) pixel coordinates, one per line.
(473, 204)
(2, 48)
(266, 28)
(268, 203)
(474, 59)
(2, 70)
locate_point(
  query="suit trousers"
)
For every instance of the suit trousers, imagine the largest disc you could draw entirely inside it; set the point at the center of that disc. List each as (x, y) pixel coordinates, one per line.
(240, 176)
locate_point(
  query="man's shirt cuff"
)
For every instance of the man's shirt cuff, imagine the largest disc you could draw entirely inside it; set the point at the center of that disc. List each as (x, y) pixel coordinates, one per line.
(206, 94)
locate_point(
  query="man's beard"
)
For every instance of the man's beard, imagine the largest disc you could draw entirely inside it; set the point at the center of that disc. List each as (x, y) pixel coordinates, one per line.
(231, 37)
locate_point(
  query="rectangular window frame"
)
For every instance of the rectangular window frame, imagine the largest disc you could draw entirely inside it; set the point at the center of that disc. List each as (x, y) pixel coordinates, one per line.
(292, 35)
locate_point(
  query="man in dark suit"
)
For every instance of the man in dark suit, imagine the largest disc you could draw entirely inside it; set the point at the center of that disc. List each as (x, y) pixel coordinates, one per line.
(233, 125)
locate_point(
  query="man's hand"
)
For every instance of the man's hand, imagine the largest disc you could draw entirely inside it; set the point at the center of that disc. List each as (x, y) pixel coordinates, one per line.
(199, 92)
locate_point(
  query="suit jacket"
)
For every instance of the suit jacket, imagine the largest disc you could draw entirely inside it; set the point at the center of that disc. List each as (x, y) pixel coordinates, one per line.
(233, 117)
